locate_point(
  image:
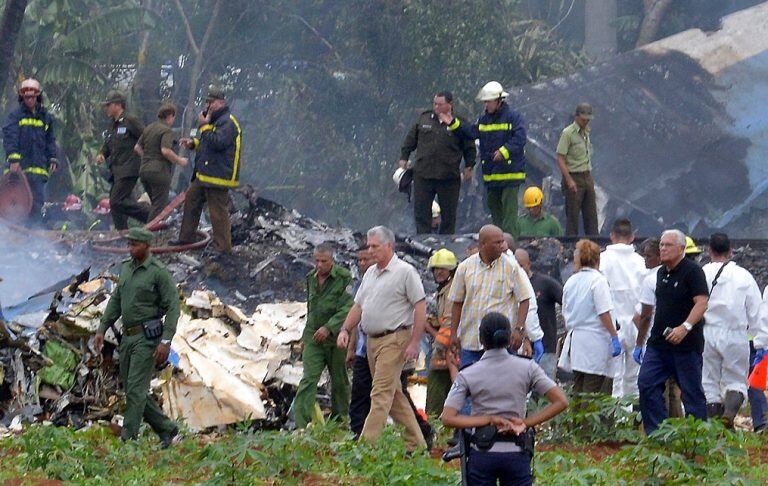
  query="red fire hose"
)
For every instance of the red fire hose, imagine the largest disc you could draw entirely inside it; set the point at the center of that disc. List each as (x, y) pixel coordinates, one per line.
(155, 225)
(15, 197)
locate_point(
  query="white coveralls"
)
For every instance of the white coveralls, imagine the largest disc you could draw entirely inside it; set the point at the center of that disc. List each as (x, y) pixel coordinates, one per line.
(733, 310)
(625, 271)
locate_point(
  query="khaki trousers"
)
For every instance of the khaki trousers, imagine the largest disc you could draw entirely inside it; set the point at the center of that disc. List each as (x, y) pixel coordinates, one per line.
(218, 207)
(385, 358)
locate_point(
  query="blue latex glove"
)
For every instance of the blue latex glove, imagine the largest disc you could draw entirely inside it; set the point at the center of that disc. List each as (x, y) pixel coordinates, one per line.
(616, 345)
(538, 350)
(637, 355)
(759, 355)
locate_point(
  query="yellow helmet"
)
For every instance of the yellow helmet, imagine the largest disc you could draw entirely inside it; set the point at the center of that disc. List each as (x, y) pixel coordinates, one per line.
(442, 258)
(690, 246)
(532, 197)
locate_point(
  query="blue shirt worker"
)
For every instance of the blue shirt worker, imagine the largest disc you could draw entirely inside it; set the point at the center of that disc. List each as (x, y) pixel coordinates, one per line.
(30, 144)
(500, 404)
(501, 131)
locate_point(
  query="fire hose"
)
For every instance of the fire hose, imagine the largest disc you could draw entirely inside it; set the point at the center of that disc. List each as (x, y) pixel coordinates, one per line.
(155, 225)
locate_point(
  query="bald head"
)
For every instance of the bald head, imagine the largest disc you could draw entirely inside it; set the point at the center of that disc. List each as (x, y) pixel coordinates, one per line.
(523, 259)
(509, 240)
(491, 243)
(489, 231)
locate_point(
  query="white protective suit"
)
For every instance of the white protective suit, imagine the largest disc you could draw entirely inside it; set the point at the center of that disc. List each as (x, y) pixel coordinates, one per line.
(733, 311)
(625, 271)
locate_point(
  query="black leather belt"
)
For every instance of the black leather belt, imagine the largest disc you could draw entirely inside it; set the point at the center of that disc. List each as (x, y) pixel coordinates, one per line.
(387, 333)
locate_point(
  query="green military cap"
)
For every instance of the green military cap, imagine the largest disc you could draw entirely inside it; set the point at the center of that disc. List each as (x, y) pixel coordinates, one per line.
(139, 234)
(114, 96)
(584, 110)
(215, 94)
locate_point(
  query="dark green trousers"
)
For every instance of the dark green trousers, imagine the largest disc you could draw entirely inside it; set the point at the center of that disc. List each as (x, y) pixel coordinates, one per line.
(502, 201)
(157, 185)
(315, 358)
(438, 386)
(123, 205)
(136, 366)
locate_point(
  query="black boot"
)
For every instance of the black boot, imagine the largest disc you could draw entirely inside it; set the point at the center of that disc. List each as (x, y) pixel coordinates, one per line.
(733, 401)
(714, 410)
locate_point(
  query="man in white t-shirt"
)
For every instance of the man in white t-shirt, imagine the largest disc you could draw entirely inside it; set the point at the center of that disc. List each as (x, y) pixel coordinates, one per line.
(644, 317)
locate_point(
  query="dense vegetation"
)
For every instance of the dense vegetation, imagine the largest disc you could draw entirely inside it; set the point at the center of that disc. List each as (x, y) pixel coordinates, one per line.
(599, 444)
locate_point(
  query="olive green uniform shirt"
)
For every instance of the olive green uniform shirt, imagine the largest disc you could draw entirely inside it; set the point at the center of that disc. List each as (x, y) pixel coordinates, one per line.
(156, 137)
(328, 304)
(118, 147)
(145, 291)
(546, 225)
(438, 150)
(576, 146)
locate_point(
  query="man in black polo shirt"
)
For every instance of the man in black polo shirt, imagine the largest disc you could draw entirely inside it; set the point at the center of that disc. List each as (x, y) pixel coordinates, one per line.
(676, 343)
(548, 293)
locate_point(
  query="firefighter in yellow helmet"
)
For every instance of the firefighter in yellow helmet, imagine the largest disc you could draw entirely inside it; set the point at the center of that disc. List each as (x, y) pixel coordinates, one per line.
(536, 222)
(692, 250)
(443, 264)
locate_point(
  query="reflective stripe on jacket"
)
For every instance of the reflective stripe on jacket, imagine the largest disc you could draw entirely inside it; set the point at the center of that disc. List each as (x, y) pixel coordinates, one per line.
(28, 139)
(504, 131)
(218, 146)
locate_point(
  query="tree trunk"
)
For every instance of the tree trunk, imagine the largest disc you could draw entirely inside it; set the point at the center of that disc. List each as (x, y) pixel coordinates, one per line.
(600, 29)
(653, 14)
(13, 16)
(199, 53)
(145, 90)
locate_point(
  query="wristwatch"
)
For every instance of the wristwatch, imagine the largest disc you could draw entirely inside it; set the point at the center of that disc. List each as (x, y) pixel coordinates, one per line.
(688, 326)
(165, 341)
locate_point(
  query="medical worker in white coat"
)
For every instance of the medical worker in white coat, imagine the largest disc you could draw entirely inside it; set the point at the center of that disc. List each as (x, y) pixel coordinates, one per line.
(591, 343)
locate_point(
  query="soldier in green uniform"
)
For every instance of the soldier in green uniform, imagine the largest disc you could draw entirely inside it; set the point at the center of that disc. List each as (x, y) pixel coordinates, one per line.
(155, 146)
(329, 298)
(117, 150)
(536, 222)
(144, 294)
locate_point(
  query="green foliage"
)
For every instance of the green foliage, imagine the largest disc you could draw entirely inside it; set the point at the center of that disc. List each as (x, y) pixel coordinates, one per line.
(682, 451)
(593, 418)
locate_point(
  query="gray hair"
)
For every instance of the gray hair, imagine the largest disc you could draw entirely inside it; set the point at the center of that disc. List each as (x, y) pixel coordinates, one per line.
(326, 248)
(679, 235)
(384, 234)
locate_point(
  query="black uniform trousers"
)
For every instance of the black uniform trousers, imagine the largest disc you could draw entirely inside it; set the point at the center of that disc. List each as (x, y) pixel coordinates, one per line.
(122, 204)
(360, 403)
(37, 188)
(424, 192)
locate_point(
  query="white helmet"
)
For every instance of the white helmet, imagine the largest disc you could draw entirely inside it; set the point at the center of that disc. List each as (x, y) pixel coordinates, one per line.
(30, 84)
(491, 91)
(398, 176)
